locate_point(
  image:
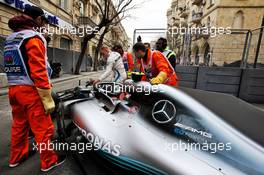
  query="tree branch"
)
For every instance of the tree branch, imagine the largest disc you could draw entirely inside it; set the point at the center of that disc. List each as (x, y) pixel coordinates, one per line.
(99, 6)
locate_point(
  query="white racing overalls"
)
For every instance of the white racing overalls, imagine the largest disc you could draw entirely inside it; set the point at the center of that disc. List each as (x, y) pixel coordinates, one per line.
(115, 71)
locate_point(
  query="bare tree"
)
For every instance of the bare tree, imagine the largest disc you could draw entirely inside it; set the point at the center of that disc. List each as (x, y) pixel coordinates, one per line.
(111, 14)
(106, 29)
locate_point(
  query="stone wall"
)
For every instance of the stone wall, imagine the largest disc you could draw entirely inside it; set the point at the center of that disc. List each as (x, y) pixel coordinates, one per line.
(222, 13)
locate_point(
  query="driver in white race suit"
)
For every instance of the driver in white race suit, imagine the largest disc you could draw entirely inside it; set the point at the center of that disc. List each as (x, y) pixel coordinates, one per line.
(115, 70)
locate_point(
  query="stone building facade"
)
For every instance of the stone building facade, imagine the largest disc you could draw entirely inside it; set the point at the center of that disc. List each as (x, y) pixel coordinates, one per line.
(235, 17)
(70, 14)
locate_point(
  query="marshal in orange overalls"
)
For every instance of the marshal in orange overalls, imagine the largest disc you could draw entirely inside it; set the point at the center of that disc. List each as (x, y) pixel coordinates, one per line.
(154, 65)
(29, 91)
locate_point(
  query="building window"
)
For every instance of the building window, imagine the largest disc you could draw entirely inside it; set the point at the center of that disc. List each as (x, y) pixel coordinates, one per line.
(65, 43)
(64, 4)
(208, 23)
(207, 54)
(211, 2)
(238, 22)
(197, 56)
(81, 8)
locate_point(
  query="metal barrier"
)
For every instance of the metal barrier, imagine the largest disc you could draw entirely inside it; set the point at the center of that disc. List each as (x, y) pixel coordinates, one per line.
(247, 84)
(233, 48)
(230, 49)
(256, 52)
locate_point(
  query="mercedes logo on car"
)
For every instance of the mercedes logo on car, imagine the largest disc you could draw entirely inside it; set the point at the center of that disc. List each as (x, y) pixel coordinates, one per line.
(163, 112)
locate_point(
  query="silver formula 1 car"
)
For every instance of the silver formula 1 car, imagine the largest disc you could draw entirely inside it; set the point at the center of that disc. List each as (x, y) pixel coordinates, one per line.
(144, 129)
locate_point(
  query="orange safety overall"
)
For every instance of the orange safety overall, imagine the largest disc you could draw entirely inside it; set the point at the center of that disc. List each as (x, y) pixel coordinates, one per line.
(156, 63)
(27, 108)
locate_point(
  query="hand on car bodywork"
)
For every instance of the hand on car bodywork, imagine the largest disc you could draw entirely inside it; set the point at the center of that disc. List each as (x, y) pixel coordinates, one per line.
(161, 78)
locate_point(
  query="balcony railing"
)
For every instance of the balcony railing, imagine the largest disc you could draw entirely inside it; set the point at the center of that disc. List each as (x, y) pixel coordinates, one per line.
(175, 19)
(197, 2)
(184, 12)
(86, 21)
(183, 23)
(174, 4)
(197, 16)
(181, 6)
(169, 12)
(200, 35)
(176, 22)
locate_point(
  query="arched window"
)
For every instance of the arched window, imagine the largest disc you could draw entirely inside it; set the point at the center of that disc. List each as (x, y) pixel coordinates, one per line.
(64, 4)
(207, 54)
(208, 22)
(81, 8)
(238, 22)
(196, 55)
